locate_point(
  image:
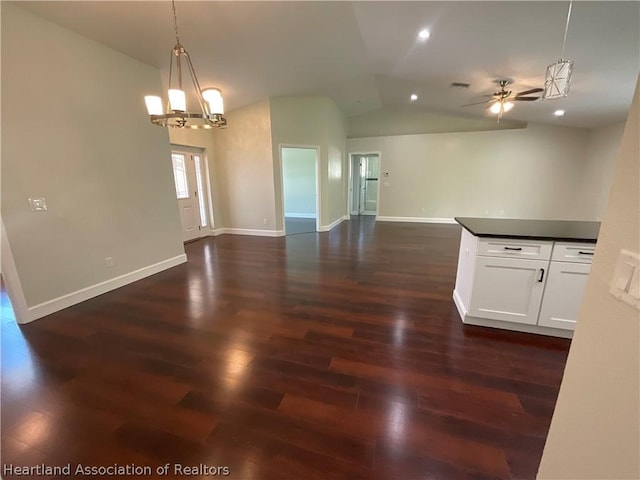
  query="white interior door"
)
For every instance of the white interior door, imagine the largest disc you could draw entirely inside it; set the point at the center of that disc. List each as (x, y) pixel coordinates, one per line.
(187, 194)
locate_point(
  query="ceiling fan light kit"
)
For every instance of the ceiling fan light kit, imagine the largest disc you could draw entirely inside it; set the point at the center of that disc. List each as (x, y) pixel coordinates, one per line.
(211, 113)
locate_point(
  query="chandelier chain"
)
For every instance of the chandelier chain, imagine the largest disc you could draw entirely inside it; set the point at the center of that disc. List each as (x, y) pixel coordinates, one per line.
(566, 29)
(175, 21)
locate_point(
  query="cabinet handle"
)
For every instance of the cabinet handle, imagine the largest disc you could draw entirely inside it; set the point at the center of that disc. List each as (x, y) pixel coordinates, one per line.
(541, 275)
(585, 253)
(517, 249)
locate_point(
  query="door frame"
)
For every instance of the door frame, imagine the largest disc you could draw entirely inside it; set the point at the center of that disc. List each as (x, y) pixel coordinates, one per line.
(189, 151)
(318, 203)
(350, 185)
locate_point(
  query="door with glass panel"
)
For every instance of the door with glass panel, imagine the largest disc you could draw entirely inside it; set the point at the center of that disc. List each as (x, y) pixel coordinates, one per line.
(188, 174)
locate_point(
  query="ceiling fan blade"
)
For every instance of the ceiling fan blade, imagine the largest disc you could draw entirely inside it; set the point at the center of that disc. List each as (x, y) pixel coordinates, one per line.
(524, 99)
(528, 92)
(477, 103)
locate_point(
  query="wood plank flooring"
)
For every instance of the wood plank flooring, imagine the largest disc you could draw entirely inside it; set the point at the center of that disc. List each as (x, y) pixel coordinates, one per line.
(320, 356)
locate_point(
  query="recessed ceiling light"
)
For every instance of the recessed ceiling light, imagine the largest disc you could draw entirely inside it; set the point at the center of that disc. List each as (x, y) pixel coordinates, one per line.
(559, 113)
(413, 97)
(424, 34)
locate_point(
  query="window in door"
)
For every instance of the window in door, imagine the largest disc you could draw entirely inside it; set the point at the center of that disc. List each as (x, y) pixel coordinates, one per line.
(180, 175)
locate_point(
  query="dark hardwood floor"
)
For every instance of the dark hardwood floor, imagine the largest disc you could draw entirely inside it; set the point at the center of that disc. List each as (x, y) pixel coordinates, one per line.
(322, 356)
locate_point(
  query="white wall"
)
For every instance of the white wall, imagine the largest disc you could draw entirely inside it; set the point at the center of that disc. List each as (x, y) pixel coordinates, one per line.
(244, 162)
(537, 172)
(299, 181)
(314, 121)
(595, 430)
(75, 131)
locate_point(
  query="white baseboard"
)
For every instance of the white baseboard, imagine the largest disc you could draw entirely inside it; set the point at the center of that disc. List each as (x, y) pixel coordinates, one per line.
(51, 306)
(249, 231)
(335, 223)
(459, 305)
(300, 215)
(516, 327)
(415, 219)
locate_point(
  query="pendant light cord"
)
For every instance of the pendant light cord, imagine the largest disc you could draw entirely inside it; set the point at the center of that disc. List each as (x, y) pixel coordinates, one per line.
(175, 22)
(566, 28)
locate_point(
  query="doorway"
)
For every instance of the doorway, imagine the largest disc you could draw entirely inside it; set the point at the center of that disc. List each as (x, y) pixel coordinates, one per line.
(300, 189)
(365, 168)
(189, 177)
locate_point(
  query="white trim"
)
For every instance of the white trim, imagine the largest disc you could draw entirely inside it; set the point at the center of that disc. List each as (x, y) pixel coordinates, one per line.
(249, 231)
(12, 280)
(215, 232)
(415, 219)
(300, 215)
(517, 327)
(350, 186)
(51, 306)
(459, 305)
(326, 228)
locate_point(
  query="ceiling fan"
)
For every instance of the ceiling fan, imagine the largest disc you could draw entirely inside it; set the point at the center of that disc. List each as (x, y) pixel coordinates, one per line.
(502, 100)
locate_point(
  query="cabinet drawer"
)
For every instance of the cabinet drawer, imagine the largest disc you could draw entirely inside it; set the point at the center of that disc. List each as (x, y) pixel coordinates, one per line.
(510, 248)
(573, 252)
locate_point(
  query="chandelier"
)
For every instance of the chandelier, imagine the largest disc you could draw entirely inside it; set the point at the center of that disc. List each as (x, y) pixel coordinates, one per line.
(558, 76)
(211, 113)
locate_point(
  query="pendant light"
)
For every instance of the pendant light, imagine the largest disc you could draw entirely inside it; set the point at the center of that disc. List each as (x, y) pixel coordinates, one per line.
(558, 77)
(176, 115)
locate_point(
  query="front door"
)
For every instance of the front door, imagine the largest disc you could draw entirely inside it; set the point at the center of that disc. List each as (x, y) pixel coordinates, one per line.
(187, 194)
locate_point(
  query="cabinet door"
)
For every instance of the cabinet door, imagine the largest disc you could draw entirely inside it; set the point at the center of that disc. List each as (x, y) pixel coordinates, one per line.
(563, 295)
(508, 289)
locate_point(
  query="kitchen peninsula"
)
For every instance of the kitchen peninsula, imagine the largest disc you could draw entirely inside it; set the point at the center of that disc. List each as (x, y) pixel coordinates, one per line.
(524, 275)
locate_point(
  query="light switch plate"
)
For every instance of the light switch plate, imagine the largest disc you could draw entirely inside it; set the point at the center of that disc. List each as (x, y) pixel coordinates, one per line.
(38, 204)
(626, 278)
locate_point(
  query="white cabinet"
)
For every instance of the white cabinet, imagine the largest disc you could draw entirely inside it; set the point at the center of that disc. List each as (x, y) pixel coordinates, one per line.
(508, 289)
(532, 286)
(563, 294)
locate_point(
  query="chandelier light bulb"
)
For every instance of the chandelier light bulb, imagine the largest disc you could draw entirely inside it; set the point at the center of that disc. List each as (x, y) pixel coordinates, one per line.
(154, 104)
(177, 100)
(496, 108)
(213, 97)
(507, 106)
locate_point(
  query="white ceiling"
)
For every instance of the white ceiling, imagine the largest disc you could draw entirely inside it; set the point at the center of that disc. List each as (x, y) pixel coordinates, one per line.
(365, 55)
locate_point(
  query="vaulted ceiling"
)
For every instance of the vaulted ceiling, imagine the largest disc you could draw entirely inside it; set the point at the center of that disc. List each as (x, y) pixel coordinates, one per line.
(367, 57)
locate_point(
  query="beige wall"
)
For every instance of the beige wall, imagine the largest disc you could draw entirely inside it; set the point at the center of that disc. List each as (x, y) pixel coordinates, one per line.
(595, 430)
(313, 121)
(601, 155)
(537, 172)
(204, 139)
(411, 122)
(79, 135)
(244, 163)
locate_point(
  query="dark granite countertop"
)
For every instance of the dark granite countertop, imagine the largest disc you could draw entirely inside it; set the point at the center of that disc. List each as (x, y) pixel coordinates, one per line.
(561, 230)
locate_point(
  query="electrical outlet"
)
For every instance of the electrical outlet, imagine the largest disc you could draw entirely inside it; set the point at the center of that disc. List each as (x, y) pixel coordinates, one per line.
(266, 221)
(38, 204)
(109, 261)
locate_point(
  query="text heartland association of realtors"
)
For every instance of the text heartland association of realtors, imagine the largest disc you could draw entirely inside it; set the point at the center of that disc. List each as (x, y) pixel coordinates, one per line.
(115, 470)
